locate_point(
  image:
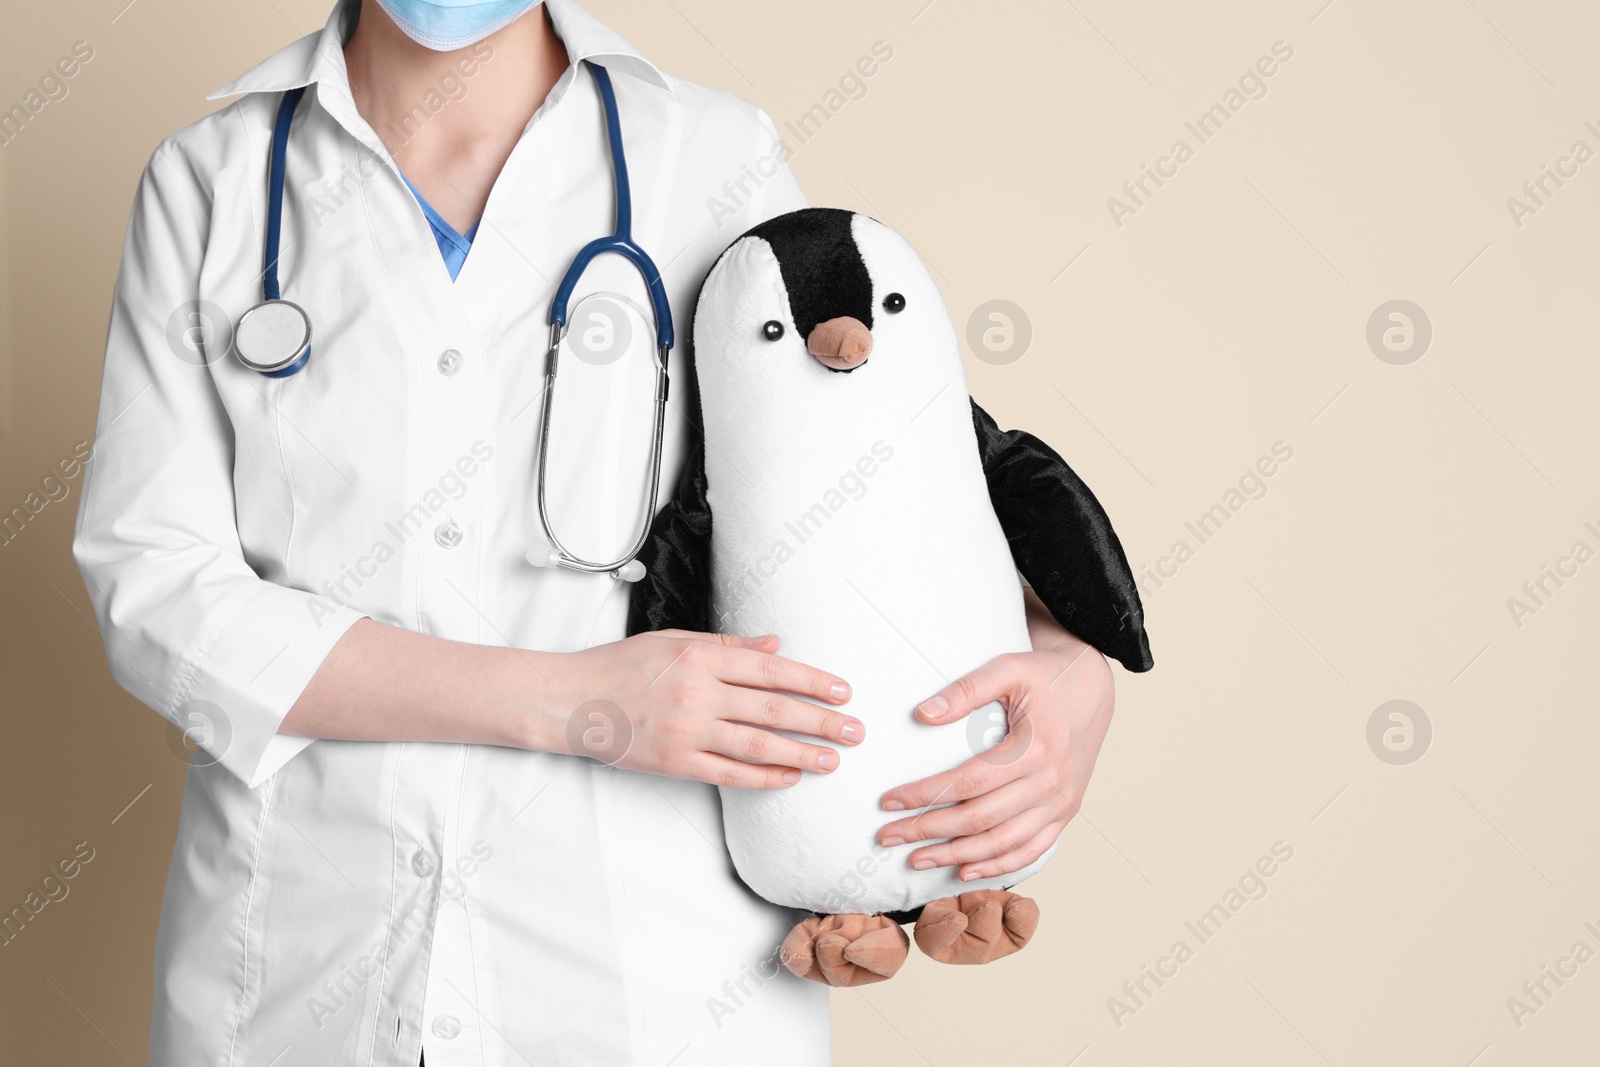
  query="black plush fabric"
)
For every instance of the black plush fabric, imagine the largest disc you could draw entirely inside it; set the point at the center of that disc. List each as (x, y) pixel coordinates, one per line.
(1063, 543)
(675, 592)
(822, 268)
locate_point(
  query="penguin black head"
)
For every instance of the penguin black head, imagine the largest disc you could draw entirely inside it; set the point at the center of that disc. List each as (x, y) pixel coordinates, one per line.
(802, 298)
(830, 290)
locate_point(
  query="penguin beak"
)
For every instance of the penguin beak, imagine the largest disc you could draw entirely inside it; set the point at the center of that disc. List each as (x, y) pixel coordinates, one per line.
(841, 344)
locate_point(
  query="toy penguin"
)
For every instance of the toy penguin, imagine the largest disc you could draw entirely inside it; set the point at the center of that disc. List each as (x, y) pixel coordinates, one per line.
(848, 496)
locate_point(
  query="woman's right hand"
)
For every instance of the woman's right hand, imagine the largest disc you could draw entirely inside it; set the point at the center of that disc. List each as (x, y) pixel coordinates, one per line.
(704, 707)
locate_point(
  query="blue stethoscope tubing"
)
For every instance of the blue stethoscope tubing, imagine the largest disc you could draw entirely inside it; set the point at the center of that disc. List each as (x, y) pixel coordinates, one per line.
(269, 268)
(276, 364)
(619, 242)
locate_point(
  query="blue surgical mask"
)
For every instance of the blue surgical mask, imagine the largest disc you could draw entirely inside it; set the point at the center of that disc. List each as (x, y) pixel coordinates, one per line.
(445, 25)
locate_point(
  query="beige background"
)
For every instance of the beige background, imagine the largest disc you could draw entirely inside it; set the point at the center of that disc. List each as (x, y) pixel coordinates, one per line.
(1228, 313)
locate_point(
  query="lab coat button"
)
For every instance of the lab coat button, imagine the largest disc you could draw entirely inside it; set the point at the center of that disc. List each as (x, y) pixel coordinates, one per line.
(448, 533)
(422, 863)
(450, 362)
(446, 1026)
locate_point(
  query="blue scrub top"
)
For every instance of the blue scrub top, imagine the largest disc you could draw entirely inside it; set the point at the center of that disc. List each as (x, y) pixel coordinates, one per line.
(452, 245)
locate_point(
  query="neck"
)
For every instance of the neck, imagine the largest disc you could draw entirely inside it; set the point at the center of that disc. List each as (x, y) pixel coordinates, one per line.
(470, 104)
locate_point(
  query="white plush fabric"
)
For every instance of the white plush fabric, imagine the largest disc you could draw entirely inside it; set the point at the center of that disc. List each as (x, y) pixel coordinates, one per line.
(850, 516)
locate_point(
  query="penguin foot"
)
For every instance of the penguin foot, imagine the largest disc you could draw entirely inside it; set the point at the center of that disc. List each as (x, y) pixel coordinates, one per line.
(976, 927)
(845, 950)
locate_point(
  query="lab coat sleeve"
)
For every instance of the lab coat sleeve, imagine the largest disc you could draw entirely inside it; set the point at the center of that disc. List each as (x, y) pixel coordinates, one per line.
(189, 628)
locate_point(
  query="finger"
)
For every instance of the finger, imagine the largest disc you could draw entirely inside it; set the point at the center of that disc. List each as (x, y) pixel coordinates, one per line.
(1009, 836)
(994, 680)
(736, 774)
(762, 670)
(779, 712)
(764, 642)
(760, 643)
(1015, 860)
(973, 778)
(969, 817)
(754, 745)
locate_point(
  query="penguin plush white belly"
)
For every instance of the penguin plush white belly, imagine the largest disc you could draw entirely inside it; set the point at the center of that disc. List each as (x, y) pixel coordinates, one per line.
(848, 497)
(902, 589)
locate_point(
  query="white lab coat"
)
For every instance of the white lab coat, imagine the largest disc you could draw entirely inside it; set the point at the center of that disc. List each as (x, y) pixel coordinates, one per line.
(341, 903)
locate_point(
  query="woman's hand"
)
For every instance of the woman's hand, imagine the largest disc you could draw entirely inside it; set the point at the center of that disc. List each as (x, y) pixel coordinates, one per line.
(1009, 803)
(703, 706)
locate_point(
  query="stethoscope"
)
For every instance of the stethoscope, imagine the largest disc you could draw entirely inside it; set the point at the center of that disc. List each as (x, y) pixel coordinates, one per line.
(274, 336)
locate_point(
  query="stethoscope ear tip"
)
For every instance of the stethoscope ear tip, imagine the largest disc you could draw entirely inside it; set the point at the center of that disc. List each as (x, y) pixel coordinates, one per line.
(543, 556)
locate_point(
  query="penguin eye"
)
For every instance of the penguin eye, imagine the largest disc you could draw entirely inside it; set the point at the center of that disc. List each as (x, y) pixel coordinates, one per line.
(772, 330)
(894, 303)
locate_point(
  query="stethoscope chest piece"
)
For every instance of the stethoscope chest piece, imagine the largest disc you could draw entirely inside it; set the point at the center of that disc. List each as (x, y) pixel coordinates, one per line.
(274, 337)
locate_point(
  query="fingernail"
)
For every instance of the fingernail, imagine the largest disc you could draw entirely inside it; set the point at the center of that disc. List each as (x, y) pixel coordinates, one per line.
(892, 842)
(839, 691)
(791, 777)
(852, 732)
(893, 805)
(828, 760)
(923, 865)
(971, 876)
(933, 708)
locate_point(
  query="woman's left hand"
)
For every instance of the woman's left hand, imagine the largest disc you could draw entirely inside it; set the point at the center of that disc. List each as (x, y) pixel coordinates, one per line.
(1008, 804)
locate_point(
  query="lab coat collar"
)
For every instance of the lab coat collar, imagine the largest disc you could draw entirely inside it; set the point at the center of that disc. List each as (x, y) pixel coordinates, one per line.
(320, 56)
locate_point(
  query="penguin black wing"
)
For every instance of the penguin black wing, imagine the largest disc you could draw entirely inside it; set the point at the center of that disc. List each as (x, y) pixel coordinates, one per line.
(1062, 542)
(675, 592)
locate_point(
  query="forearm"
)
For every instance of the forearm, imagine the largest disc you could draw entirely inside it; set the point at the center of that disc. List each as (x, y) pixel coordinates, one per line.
(383, 683)
(686, 705)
